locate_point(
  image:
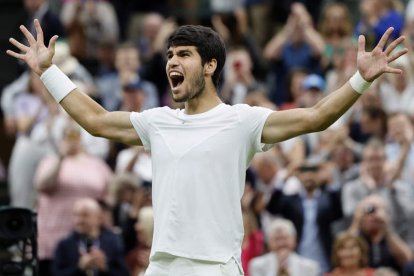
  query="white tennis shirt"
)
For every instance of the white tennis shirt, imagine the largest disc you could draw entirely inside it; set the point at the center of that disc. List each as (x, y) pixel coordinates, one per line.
(199, 167)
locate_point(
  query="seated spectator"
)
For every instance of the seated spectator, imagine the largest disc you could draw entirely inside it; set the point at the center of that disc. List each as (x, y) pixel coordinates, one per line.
(312, 211)
(89, 249)
(350, 256)
(138, 258)
(282, 259)
(373, 223)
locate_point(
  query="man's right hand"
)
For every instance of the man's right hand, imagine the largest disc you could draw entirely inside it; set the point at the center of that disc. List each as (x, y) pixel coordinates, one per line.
(37, 56)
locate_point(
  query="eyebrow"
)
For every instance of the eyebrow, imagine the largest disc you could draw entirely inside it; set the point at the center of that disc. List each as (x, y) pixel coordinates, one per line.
(183, 51)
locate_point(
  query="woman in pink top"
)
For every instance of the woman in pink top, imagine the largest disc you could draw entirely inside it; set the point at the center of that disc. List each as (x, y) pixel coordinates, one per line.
(60, 180)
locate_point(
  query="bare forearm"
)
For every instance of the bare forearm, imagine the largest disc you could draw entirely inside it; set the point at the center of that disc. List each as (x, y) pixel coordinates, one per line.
(333, 106)
(83, 110)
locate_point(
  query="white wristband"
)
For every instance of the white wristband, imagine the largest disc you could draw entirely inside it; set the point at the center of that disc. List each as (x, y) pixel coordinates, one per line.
(57, 83)
(358, 83)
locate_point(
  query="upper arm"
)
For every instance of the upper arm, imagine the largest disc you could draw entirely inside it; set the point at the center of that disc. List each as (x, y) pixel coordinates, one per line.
(282, 125)
(97, 121)
(117, 126)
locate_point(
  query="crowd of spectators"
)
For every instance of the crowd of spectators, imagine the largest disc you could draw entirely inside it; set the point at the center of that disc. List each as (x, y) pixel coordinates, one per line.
(338, 202)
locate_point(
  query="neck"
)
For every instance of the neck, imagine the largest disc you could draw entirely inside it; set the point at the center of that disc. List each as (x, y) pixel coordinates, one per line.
(207, 100)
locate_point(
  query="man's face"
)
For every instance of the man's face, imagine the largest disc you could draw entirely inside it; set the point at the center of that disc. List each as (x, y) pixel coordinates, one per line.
(85, 220)
(281, 240)
(185, 73)
(127, 59)
(374, 160)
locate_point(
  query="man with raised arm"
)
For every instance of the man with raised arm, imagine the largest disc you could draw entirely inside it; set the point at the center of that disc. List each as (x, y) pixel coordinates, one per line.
(200, 153)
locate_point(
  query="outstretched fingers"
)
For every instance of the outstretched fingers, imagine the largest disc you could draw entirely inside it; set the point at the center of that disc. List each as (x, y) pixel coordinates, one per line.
(393, 45)
(39, 31)
(19, 45)
(16, 55)
(396, 55)
(28, 35)
(385, 37)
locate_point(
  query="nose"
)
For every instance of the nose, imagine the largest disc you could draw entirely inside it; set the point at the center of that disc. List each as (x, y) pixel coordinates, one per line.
(172, 62)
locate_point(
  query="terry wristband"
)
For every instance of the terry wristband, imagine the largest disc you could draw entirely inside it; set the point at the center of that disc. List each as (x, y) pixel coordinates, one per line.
(358, 83)
(57, 83)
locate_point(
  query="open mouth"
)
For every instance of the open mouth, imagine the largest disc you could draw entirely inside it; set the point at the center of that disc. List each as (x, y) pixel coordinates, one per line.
(176, 79)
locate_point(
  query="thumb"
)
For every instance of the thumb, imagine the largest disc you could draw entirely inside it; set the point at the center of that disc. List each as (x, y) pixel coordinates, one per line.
(52, 43)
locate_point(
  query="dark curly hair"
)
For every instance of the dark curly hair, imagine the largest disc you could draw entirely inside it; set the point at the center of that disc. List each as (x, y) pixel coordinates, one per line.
(208, 43)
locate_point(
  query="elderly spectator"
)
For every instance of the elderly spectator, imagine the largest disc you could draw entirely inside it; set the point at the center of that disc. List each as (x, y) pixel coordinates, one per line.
(312, 211)
(282, 259)
(90, 248)
(372, 221)
(350, 256)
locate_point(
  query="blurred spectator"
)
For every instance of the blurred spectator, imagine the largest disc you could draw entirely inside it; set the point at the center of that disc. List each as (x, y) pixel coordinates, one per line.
(127, 63)
(336, 28)
(376, 17)
(136, 161)
(30, 109)
(234, 28)
(51, 24)
(90, 248)
(397, 91)
(61, 179)
(313, 88)
(294, 88)
(89, 23)
(372, 222)
(282, 260)
(399, 146)
(138, 258)
(342, 66)
(153, 65)
(376, 178)
(372, 123)
(130, 196)
(312, 211)
(350, 256)
(238, 77)
(298, 44)
(253, 240)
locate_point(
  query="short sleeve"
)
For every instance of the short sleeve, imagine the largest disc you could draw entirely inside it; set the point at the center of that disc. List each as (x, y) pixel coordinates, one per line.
(254, 119)
(141, 124)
